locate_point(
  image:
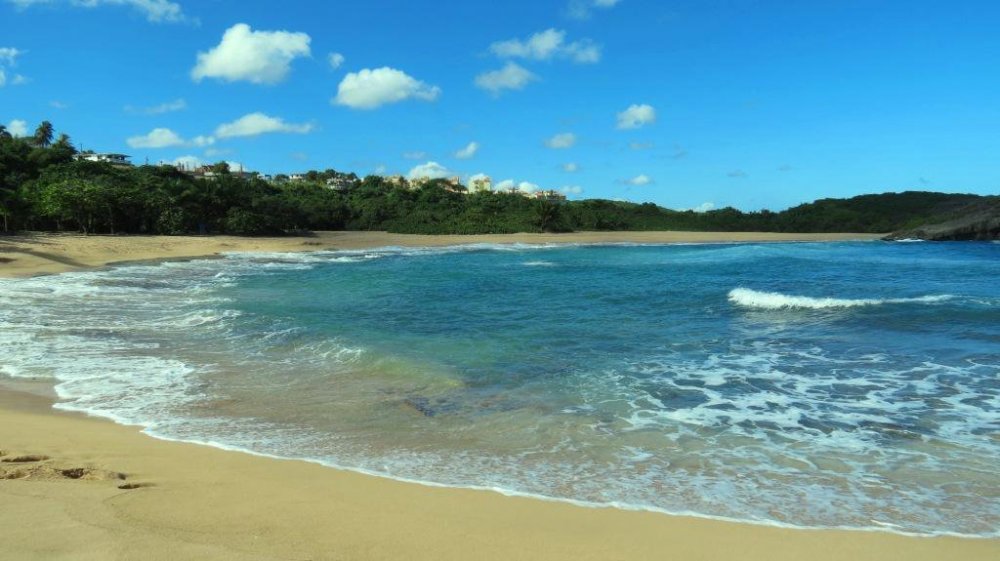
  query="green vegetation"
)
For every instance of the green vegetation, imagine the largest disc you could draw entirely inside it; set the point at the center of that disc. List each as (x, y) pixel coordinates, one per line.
(42, 187)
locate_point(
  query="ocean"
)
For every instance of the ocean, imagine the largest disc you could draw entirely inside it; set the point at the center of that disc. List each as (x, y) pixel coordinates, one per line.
(814, 385)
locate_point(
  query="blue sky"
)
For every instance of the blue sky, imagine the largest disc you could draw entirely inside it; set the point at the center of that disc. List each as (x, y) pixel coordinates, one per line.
(753, 104)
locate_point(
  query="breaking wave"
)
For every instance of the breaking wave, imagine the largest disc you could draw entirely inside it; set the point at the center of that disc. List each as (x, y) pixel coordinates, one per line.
(777, 301)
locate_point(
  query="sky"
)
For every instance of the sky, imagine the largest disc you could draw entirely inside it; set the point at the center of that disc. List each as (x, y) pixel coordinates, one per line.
(686, 103)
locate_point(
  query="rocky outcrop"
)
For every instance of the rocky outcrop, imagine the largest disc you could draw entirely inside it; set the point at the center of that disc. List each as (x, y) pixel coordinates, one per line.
(980, 222)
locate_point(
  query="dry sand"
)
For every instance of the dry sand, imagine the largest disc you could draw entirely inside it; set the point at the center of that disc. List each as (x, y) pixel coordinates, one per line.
(87, 489)
(34, 254)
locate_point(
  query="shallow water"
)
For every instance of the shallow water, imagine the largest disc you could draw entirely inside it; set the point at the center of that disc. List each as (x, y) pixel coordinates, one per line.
(819, 385)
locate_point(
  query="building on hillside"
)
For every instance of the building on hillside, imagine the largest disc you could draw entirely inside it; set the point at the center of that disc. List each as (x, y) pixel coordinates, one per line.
(397, 181)
(107, 158)
(340, 182)
(549, 195)
(480, 184)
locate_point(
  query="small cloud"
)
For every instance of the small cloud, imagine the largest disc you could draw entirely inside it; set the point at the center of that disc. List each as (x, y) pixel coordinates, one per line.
(468, 152)
(186, 162)
(9, 55)
(546, 45)
(582, 9)
(511, 77)
(202, 141)
(523, 186)
(20, 80)
(636, 116)
(679, 152)
(157, 138)
(255, 124)
(429, 170)
(785, 168)
(640, 145)
(56, 104)
(336, 60)
(737, 173)
(571, 167)
(156, 11)
(416, 155)
(380, 169)
(216, 152)
(258, 57)
(703, 207)
(572, 190)
(17, 128)
(166, 107)
(561, 141)
(373, 88)
(640, 180)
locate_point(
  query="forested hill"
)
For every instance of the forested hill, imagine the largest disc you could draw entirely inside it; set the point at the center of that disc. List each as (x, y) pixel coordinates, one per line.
(43, 187)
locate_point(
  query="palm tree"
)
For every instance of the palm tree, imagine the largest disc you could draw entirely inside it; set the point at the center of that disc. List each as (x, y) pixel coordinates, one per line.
(43, 134)
(4, 133)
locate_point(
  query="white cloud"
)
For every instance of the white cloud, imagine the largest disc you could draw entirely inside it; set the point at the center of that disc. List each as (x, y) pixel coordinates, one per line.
(571, 167)
(187, 162)
(213, 152)
(572, 190)
(8, 55)
(157, 138)
(561, 141)
(154, 10)
(636, 116)
(56, 104)
(546, 45)
(511, 77)
(581, 9)
(166, 107)
(370, 89)
(17, 127)
(468, 152)
(259, 57)
(525, 186)
(639, 180)
(703, 207)
(166, 138)
(255, 124)
(415, 155)
(640, 145)
(430, 170)
(335, 60)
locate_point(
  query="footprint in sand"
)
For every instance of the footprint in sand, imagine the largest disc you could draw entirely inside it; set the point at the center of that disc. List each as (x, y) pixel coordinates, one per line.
(37, 467)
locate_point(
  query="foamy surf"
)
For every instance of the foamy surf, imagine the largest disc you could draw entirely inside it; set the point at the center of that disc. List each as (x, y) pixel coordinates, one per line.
(760, 300)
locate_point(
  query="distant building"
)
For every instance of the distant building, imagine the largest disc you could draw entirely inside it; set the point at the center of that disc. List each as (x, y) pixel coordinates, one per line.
(296, 177)
(107, 158)
(341, 182)
(480, 184)
(550, 195)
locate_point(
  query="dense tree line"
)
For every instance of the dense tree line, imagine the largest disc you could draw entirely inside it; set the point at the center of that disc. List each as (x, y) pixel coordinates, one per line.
(42, 187)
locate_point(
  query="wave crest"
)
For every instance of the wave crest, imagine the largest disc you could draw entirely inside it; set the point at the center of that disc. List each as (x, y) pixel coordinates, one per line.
(777, 301)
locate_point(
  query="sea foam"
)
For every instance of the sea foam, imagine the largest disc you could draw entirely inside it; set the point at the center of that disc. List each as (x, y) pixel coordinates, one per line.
(777, 301)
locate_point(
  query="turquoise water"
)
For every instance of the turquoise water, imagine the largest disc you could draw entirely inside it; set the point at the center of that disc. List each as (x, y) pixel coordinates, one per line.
(814, 385)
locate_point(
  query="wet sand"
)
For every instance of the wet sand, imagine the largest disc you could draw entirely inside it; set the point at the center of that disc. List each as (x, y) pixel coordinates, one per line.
(34, 254)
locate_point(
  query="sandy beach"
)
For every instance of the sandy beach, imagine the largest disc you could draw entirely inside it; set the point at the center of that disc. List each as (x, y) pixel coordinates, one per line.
(34, 254)
(80, 488)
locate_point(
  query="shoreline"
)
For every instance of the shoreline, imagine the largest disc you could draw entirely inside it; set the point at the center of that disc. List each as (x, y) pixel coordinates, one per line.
(263, 507)
(311, 511)
(45, 253)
